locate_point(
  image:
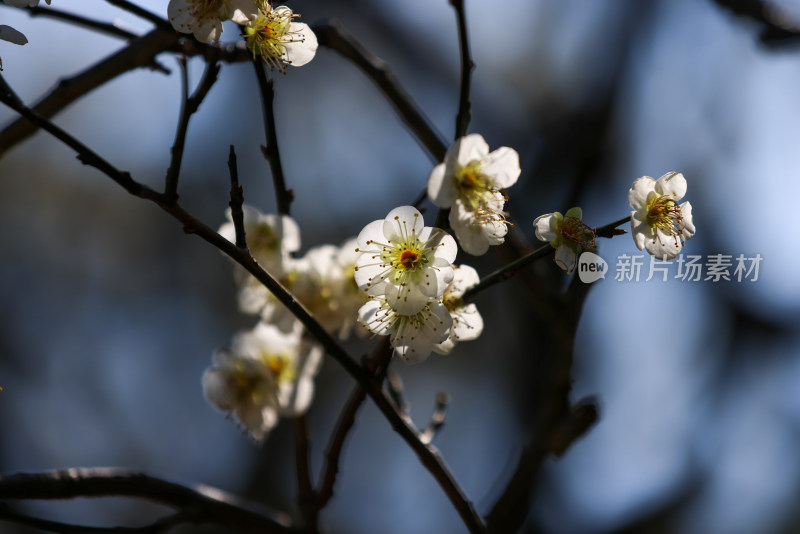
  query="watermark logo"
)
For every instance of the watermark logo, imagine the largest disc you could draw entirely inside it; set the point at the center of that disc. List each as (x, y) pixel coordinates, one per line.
(591, 267)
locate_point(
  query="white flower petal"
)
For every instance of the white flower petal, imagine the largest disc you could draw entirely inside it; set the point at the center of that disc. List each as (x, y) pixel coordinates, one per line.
(303, 46)
(406, 300)
(470, 236)
(436, 278)
(464, 277)
(688, 222)
(371, 232)
(370, 272)
(402, 222)
(663, 246)
(445, 245)
(565, 258)
(467, 323)
(471, 148)
(637, 195)
(503, 166)
(242, 11)
(543, 225)
(442, 189)
(373, 315)
(671, 184)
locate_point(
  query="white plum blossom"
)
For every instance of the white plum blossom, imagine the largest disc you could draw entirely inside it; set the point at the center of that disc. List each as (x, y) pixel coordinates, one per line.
(567, 234)
(272, 35)
(270, 238)
(658, 223)
(467, 321)
(469, 181)
(401, 252)
(413, 336)
(203, 18)
(265, 374)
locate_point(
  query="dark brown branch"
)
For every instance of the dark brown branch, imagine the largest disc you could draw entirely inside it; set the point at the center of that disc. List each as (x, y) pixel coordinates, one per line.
(305, 491)
(437, 419)
(237, 201)
(189, 105)
(200, 504)
(777, 27)
(464, 106)
(102, 27)
(374, 364)
(283, 197)
(610, 230)
(331, 34)
(428, 455)
(161, 525)
(395, 386)
(139, 53)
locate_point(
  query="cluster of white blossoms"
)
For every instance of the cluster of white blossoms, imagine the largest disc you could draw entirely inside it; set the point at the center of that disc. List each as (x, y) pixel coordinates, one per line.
(270, 33)
(265, 374)
(658, 223)
(470, 182)
(268, 372)
(415, 291)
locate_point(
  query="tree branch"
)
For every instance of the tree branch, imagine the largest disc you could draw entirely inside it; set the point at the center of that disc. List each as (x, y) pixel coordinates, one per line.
(189, 106)
(102, 27)
(331, 34)
(140, 52)
(428, 455)
(199, 504)
(237, 201)
(283, 197)
(464, 106)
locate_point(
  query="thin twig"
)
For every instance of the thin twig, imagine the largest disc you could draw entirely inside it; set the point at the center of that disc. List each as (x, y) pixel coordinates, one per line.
(610, 230)
(464, 106)
(373, 364)
(102, 27)
(237, 201)
(394, 384)
(199, 503)
(283, 197)
(429, 456)
(437, 418)
(189, 105)
(504, 273)
(331, 34)
(141, 13)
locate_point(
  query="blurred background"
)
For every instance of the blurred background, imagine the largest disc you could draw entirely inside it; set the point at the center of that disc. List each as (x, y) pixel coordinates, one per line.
(109, 313)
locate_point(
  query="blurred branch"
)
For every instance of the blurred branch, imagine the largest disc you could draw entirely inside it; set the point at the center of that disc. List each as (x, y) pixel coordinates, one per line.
(374, 364)
(198, 504)
(464, 107)
(504, 273)
(778, 26)
(164, 524)
(283, 197)
(305, 491)
(102, 27)
(237, 201)
(429, 456)
(561, 423)
(437, 419)
(189, 106)
(332, 34)
(142, 13)
(395, 386)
